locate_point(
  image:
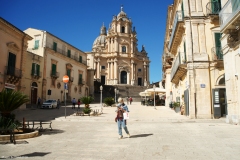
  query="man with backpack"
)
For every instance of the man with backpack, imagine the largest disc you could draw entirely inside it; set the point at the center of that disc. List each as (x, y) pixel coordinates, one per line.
(121, 108)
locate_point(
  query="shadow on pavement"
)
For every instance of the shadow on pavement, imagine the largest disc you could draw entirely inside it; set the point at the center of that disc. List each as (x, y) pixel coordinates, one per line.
(141, 135)
(34, 154)
(49, 132)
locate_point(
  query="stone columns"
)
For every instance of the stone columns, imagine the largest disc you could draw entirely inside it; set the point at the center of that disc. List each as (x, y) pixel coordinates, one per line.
(131, 46)
(116, 44)
(115, 71)
(132, 72)
(98, 68)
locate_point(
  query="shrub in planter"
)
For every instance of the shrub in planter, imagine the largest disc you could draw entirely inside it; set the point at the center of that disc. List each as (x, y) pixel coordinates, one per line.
(9, 123)
(87, 100)
(86, 110)
(109, 101)
(176, 104)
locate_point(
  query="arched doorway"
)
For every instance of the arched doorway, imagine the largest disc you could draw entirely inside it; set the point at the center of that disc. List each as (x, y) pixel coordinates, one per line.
(123, 77)
(34, 88)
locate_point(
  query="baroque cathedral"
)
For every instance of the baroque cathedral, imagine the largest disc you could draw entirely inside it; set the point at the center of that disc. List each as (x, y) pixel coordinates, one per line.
(115, 58)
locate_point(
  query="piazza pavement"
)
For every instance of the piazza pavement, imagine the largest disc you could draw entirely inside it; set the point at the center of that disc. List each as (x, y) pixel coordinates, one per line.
(156, 134)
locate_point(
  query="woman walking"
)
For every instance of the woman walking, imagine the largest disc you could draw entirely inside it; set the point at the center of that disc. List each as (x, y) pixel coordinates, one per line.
(121, 108)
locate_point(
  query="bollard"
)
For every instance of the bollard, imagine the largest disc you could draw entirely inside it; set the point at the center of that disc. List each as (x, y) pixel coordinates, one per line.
(23, 123)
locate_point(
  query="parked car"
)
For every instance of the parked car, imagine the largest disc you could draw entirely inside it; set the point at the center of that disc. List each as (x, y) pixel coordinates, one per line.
(51, 103)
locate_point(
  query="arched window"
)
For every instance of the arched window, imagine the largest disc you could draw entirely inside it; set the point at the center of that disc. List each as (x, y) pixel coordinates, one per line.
(124, 49)
(123, 30)
(221, 81)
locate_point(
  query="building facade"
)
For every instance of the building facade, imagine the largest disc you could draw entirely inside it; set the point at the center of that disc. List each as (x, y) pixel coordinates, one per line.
(115, 56)
(193, 69)
(229, 27)
(59, 59)
(13, 51)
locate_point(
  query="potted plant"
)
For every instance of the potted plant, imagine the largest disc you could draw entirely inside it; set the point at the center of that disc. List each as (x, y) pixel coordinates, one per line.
(176, 106)
(9, 101)
(109, 101)
(87, 100)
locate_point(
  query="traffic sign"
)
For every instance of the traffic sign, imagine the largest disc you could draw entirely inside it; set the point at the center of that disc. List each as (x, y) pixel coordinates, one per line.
(65, 79)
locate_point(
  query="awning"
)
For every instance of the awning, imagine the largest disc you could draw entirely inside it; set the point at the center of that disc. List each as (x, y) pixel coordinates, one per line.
(145, 93)
(157, 90)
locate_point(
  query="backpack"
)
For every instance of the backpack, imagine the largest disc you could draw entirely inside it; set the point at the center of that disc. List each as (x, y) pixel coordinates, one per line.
(120, 113)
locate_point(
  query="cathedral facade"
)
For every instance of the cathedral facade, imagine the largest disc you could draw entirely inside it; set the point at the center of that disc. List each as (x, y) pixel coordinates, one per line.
(115, 57)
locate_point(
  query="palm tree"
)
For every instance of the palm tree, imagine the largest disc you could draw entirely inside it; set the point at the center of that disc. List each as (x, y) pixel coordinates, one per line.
(11, 100)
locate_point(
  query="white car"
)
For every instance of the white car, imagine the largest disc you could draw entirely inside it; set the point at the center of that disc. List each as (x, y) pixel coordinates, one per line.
(51, 103)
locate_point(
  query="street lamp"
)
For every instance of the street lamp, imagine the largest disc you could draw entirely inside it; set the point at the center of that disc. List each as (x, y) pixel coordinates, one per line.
(115, 90)
(101, 88)
(154, 95)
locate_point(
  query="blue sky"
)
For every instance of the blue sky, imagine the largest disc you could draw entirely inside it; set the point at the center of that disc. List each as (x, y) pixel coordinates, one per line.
(78, 22)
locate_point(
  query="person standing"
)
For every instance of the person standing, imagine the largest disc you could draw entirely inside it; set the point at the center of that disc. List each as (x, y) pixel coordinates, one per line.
(121, 108)
(39, 102)
(127, 99)
(130, 100)
(79, 103)
(73, 103)
(58, 104)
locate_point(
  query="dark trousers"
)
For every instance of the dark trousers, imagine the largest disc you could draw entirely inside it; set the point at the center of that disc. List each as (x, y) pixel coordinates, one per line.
(73, 105)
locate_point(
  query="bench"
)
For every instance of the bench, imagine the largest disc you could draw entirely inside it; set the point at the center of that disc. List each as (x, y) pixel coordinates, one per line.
(38, 123)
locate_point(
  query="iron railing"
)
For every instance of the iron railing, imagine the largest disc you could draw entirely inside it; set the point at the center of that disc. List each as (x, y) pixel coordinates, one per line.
(228, 12)
(175, 66)
(217, 53)
(213, 8)
(178, 18)
(39, 74)
(65, 53)
(54, 74)
(12, 71)
(81, 82)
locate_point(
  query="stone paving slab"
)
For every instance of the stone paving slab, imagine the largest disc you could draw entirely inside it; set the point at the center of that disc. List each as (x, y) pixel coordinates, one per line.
(156, 134)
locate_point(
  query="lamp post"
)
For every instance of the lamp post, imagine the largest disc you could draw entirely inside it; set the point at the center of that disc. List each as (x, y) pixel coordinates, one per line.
(101, 88)
(154, 95)
(145, 101)
(115, 90)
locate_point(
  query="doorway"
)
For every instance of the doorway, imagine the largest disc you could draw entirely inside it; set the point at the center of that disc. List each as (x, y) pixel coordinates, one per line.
(102, 79)
(139, 81)
(34, 90)
(123, 77)
(219, 102)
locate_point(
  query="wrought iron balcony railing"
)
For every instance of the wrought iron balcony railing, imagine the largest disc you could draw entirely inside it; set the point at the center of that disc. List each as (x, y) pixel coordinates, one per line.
(178, 18)
(38, 74)
(217, 53)
(213, 8)
(63, 52)
(12, 71)
(228, 13)
(54, 74)
(81, 82)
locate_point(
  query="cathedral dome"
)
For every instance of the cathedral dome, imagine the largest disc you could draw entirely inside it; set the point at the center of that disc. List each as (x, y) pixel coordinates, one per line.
(101, 39)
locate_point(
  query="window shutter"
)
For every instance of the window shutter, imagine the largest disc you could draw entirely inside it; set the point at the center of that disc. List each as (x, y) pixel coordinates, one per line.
(80, 59)
(80, 78)
(185, 55)
(54, 46)
(54, 69)
(69, 53)
(69, 73)
(33, 68)
(11, 63)
(218, 43)
(182, 10)
(36, 44)
(38, 69)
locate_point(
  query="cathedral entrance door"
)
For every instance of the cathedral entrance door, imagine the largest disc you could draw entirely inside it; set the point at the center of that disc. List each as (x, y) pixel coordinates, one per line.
(123, 77)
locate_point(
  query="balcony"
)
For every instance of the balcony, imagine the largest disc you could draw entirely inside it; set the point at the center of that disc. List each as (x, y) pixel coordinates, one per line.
(217, 53)
(63, 52)
(230, 16)
(81, 82)
(54, 74)
(36, 75)
(13, 74)
(177, 31)
(213, 8)
(179, 69)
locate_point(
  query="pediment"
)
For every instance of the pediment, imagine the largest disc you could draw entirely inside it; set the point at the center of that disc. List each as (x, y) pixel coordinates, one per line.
(13, 46)
(68, 65)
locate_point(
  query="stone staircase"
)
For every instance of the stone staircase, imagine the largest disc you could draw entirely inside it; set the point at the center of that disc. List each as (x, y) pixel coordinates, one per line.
(124, 91)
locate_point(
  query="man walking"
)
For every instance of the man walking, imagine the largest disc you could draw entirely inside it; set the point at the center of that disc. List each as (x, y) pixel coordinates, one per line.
(39, 102)
(73, 103)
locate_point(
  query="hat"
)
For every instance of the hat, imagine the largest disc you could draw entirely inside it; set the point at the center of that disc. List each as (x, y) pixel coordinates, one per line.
(120, 100)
